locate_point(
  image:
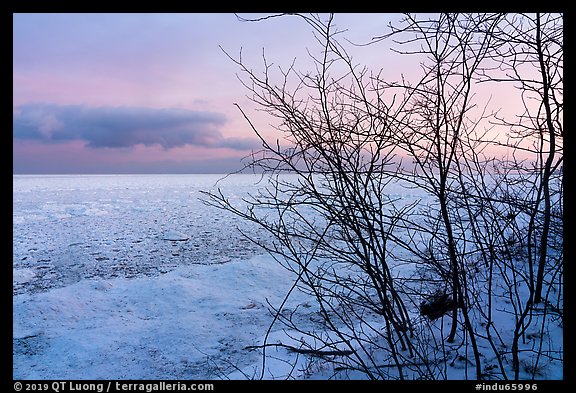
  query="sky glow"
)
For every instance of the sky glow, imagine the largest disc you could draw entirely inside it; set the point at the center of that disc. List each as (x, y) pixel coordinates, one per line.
(155, 93)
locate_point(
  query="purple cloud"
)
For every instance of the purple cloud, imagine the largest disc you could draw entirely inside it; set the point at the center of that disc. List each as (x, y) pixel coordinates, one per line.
(121, 127)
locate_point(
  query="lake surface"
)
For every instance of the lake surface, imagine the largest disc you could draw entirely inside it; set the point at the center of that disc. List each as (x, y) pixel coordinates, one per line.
(70, 227)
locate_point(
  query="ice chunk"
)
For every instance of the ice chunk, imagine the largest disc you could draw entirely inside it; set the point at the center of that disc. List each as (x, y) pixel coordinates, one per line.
(175, 236)
(22, 275)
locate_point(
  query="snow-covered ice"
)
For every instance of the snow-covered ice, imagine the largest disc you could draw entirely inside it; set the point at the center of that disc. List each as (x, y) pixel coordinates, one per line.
(132, 277)
(69, 228)
(190, 323)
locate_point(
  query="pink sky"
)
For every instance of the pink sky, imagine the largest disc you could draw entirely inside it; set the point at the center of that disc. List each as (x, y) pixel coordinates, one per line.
(153, 61)
(69, 69)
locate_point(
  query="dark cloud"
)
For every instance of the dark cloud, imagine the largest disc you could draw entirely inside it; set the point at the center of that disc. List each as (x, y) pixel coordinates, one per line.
(120, 127)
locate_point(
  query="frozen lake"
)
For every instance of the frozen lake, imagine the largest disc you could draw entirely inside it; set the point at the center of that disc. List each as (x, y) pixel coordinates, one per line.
(133, 277)
(69, 228)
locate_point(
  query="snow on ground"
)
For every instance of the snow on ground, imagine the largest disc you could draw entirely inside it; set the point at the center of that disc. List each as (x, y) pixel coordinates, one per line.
(190, 323)
(132, 277)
